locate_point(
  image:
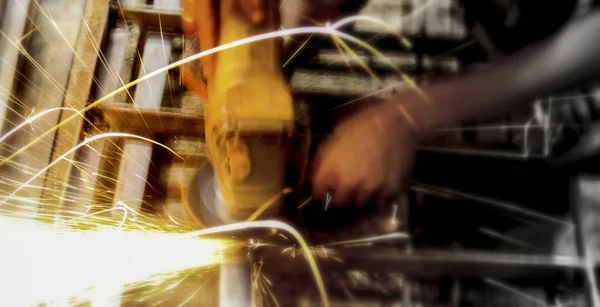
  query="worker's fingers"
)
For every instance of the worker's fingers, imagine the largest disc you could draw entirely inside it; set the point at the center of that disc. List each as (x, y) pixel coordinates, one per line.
(255, 10)
(323, 182)
(207, 17)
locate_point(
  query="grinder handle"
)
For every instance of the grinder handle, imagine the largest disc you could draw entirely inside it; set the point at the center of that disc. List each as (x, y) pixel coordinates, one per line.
(249, 86)
(214, 22)
(258, 59)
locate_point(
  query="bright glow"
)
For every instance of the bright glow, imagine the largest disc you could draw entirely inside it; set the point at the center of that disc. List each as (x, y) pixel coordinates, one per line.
(310, 259)
(44, 263)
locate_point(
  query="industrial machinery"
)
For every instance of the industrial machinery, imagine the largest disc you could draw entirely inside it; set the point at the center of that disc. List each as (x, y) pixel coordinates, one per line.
(497, 214)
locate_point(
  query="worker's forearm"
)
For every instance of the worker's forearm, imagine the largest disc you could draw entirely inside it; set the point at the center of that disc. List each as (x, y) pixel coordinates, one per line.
(564, 60)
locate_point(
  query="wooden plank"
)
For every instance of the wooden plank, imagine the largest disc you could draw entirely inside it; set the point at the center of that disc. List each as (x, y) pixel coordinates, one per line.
(136, 157)
(51, 47)
(131, 56)
(78, 195)
(80, 83)
(85, 181)
(1, 8)
(135, 164)
(109, 77)
(13, 25)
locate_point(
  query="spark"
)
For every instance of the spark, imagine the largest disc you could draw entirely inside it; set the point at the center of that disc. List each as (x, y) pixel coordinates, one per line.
(351, 19)
(297, 51)
(383, 90)
(261, 262)
(328, 198)
(50, 18)
(339, 42)
(262, 282)
(455, 49)
(513, 290)
(106, 257)
(305, 203)
(35, 254)
(17, 44)
(248, 40)
(408, 117)
(268, 204)
(345, 57)
(320, 252)
(189, 298)
(32, 119)
(75, 148)
(26, 35)
(119, 206)
(277, 225)
(393, 219)
(496, 235)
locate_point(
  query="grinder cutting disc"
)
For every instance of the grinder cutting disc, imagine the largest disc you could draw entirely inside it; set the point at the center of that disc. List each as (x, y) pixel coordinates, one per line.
(205, 200)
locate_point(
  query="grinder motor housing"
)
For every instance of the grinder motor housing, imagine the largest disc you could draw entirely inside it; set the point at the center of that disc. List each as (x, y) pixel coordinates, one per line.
(249, 117)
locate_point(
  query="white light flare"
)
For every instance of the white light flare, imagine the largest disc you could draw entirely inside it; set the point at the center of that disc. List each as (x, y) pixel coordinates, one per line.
(41, 263)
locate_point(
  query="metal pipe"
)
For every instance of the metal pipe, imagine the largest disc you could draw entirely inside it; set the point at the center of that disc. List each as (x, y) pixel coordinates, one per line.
(235, 283)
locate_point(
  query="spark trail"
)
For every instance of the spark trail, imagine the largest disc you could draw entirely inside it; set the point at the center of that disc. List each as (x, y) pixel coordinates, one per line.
(91, 139)
(77, 262)
(328, 30)
(84, 256)
(43, 263)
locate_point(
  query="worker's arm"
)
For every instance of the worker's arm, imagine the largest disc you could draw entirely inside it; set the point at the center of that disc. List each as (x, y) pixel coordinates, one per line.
(370, 155)
(570, 57)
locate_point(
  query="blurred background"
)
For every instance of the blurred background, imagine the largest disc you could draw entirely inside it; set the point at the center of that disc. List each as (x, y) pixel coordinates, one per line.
(498, 213)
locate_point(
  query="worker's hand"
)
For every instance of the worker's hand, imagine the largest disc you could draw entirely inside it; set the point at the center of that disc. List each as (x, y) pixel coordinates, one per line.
(368, 157)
